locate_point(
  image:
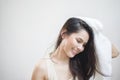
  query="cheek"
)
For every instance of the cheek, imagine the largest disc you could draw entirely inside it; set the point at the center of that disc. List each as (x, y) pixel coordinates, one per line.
(73, 42)
(66, 46)
(70, 44)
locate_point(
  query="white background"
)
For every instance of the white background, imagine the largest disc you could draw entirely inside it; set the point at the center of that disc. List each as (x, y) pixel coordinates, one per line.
(28, 27)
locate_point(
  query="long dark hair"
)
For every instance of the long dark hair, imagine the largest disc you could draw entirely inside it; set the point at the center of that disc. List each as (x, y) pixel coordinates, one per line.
(83, 65)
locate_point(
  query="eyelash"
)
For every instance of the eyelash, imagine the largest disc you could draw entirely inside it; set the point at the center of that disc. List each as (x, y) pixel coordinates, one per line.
(79, 41)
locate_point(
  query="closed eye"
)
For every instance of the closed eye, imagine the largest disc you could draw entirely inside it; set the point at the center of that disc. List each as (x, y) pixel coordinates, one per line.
(79, 40)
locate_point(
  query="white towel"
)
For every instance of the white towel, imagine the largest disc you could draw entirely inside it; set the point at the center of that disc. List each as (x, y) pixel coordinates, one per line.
(103, 48)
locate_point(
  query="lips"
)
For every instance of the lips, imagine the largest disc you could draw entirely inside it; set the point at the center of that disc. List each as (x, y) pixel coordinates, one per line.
(74, 52)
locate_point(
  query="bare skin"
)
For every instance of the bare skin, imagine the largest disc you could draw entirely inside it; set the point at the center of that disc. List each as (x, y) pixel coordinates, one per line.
(70, 46)
(40, 71)
(61, 58)
(115, 52)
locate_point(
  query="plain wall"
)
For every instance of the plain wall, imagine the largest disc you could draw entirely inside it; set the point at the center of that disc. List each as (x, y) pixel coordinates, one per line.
(28, 27)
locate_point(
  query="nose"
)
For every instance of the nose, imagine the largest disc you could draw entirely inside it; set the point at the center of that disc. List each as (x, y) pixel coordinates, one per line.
(80, 48)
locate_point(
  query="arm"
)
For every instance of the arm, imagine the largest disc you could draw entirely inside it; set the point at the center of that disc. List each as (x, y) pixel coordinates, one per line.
(115, 52)
(39, 72)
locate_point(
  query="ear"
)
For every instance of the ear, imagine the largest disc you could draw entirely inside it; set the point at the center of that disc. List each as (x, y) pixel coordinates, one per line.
(63, 33)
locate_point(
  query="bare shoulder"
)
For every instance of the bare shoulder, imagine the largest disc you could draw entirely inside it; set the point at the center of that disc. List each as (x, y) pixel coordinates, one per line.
(115, 51)
(42, 63)
(40, 70)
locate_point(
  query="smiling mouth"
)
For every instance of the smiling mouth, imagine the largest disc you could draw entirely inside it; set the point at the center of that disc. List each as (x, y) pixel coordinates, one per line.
(74, 52)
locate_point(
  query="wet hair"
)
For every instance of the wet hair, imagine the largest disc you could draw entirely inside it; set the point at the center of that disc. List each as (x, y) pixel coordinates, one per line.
(83, 65)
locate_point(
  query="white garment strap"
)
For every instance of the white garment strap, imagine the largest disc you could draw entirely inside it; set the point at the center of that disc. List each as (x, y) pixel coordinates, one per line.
(51, 70)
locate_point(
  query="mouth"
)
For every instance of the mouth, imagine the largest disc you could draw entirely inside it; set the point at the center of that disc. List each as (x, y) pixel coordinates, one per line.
(74, 52)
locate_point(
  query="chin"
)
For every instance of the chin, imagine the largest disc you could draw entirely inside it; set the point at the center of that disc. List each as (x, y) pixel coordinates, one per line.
(71, 56)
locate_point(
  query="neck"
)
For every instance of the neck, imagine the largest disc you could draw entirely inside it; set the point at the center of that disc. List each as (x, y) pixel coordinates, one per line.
(59, 56)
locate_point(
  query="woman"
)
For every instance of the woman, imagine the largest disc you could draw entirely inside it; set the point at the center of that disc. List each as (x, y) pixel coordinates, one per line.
(74, 57)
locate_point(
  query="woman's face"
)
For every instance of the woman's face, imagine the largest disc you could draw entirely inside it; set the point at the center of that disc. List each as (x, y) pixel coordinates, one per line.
(75, 43)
